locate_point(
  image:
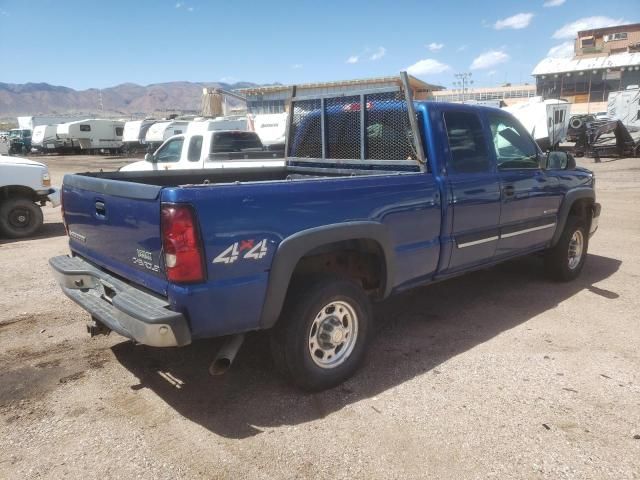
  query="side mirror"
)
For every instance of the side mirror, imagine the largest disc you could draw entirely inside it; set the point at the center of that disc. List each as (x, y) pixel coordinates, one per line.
(558, 160)
(149, 157)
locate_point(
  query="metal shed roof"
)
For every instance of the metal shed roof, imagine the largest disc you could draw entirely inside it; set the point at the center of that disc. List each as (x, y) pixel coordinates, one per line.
(564, 65)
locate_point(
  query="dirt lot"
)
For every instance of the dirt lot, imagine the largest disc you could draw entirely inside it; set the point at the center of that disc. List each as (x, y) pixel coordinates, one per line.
(497, 374)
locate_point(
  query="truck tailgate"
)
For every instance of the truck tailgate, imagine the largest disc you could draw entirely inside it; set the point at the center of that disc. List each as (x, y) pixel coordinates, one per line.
(116, 225)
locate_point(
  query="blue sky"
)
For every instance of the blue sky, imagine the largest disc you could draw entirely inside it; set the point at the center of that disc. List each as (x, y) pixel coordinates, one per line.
(91, 43)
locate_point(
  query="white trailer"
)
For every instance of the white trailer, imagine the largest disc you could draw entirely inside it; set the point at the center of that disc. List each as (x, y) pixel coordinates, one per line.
(546, 120)
(92, 135)
(161, 131)
(228, 122)
(271, 128)
(135, 132)
(44, 138)
(625, 106)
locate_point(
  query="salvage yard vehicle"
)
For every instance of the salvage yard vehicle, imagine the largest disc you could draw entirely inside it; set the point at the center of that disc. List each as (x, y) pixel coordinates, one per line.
(19, 141)
(379, 194)
(204, 148)
(23, 185)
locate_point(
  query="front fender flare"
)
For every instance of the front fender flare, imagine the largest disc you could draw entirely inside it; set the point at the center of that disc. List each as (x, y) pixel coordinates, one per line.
(569, 199)
(293, 248)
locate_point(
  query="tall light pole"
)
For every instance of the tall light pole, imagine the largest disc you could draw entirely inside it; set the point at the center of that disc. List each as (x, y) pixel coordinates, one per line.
(463, 81)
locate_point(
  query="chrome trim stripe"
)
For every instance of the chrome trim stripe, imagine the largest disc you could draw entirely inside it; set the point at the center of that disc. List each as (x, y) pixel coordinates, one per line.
(527, 230)
(478, 242)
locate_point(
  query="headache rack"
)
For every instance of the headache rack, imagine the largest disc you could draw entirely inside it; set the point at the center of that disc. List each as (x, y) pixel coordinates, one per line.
(369, 130)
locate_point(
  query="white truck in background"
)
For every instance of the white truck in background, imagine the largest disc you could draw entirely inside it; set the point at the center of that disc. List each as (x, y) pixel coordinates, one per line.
(25, 185)
(201, 148)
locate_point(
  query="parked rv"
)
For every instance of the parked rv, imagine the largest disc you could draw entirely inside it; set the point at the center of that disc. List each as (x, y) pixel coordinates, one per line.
(546, 120)
(209, 149)
(227, 122)
(271, 128)
(625, 106)
(161, 131)
(44, 139)
(92, 135)
(134, 134)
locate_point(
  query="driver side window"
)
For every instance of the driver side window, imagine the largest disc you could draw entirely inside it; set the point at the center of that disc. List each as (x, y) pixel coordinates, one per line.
(513, 146)
(171, 151)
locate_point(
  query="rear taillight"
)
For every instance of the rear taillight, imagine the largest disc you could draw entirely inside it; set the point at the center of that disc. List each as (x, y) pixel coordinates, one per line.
(181, 244)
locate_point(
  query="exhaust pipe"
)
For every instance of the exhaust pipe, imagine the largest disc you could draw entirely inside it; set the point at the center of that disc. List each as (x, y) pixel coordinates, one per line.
(226, 355)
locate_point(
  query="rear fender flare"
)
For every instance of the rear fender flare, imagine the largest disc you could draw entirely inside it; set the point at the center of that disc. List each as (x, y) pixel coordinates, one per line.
(570, 198)
(293, 248)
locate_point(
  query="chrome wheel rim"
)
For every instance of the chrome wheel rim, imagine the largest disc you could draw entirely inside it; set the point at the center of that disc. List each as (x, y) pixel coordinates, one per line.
(576, 247)
(333, 334)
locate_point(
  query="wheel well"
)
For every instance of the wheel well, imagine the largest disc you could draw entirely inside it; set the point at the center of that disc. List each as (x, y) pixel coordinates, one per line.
(361, 260)
(17, 191)
(581, 208)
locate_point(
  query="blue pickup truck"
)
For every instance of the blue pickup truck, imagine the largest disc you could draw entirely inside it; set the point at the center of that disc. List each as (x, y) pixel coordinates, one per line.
(379, 194)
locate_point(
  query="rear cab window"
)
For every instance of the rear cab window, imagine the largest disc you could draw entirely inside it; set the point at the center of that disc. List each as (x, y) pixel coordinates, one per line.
(195, 148)
(468, 148)
(225, 142)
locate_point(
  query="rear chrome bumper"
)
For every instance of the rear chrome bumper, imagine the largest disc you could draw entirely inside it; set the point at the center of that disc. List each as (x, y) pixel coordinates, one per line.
(595, 217)
(127, 310)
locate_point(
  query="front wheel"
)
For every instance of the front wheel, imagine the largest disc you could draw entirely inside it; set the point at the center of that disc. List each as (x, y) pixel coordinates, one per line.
(19, 218)
(566, 259)
(321, 338)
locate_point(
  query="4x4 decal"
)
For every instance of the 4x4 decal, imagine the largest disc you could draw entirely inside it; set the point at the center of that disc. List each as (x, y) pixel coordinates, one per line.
(247, 249)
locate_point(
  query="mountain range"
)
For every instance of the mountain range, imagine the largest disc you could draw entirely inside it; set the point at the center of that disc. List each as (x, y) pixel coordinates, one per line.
(127, 99)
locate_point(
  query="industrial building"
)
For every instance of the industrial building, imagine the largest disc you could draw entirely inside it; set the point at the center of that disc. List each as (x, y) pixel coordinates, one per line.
(508, 94)
(274, 98)
(606, 60)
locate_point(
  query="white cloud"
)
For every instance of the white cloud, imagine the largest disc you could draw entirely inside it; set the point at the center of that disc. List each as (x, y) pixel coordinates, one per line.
(462, 48)
(587, 23)
(353, 59)
(489, 59)
(491, 73)
(564, 50)
(516, 22)
(190, 9)
(553, 3)
(427, 66)
(179, 4)
(297, 66)
(434, 47)
(378, 54)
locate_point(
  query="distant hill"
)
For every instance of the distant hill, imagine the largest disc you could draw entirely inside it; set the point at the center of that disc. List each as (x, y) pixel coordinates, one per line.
(126, 99)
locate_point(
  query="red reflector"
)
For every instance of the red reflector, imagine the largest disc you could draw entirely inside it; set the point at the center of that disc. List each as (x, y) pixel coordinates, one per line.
(181, 244)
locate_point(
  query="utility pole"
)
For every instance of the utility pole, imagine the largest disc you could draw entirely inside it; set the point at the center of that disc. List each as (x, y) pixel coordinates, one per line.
(463, 81)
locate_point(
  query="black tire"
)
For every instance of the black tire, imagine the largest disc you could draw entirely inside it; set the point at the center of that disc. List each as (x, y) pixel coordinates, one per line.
(558, 258)
(292, 336)
(19, 218)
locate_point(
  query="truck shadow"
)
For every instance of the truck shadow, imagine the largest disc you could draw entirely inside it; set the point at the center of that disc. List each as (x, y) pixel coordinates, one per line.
(48, 230)
(416, 332)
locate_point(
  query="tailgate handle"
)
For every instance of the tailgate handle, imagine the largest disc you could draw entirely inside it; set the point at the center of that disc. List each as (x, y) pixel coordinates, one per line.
(101, 210)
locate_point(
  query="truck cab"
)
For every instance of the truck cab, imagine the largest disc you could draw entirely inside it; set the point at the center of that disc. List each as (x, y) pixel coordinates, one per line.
(209, 149)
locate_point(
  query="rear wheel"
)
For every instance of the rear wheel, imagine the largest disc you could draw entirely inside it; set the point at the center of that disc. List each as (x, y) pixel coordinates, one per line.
(566, 259)
(321, 338)
(19, 218)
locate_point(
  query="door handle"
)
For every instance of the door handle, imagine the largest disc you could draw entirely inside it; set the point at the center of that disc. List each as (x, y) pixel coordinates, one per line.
(101, 210)
(509, 190)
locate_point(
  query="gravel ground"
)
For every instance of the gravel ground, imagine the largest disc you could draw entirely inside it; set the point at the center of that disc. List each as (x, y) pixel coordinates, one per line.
(497, 374)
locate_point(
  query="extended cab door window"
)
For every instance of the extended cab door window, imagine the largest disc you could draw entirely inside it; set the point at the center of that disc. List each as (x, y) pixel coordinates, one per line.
(514, 148)
(195, 148)
(170, 151)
